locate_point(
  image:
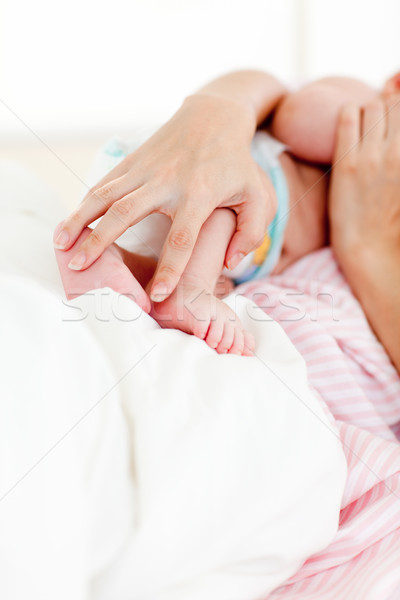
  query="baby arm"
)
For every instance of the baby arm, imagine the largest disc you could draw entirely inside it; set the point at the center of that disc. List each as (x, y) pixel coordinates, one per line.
(193, 307)
(306, 120)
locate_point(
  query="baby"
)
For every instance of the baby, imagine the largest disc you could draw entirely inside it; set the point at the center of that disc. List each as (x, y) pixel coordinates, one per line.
(304, 123)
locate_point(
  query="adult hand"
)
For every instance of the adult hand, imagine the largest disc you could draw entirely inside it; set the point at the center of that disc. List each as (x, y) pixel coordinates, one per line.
(364, 210)
(198, 161)
(365, 184)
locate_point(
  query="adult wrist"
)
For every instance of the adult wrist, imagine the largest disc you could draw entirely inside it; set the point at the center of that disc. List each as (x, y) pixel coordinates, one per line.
(369, 268)
(239, 112)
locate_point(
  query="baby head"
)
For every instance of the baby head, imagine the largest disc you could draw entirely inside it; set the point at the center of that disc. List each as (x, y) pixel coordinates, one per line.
(392, 85)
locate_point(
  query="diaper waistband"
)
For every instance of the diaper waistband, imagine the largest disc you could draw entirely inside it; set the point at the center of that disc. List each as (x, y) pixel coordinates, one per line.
(266, 150)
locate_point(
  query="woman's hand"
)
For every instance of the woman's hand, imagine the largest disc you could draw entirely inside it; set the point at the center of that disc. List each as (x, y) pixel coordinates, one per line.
(365, 185)
(198, 161)
(364, 210)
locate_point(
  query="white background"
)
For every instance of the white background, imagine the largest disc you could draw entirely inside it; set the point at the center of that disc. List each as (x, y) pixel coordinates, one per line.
(76, 71)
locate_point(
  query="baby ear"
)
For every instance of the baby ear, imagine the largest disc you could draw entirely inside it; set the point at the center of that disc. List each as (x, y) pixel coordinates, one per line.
(392, 85)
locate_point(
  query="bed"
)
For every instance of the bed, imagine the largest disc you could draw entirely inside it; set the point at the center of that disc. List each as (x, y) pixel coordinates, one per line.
(137, 464)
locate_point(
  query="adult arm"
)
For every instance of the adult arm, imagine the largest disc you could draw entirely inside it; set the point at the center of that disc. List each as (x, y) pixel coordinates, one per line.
(365, 213)
(198, 161)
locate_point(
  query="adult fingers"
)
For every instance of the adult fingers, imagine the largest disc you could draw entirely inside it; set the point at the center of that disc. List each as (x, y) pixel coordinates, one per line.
(253, 217)
(393, 114)
(122, 214)
(392, 154)
(347, 137)
(96, 202)
(373, 124)
(176, 253)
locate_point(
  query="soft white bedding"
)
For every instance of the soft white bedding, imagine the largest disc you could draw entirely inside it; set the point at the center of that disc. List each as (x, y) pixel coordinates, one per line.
(137, 463)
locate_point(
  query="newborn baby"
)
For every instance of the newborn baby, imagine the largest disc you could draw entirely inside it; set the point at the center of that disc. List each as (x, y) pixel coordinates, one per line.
(304, 123)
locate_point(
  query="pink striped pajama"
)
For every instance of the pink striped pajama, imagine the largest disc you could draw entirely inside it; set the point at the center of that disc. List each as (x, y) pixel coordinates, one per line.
(351, 372)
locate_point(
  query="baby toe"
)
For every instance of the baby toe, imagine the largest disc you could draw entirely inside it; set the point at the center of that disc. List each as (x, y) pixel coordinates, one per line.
(200, 327)
(138, 295)
(215, 333)
(238, 342)
(227, 338)
(249, 344)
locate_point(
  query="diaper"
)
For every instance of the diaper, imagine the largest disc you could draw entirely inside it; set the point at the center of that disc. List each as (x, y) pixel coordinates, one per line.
(147, 237)
(265, 150)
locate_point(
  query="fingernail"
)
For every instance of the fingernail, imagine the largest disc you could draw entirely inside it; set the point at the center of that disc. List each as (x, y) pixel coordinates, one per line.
(61, 240)
(159, 292)
(78, 261)
(235, 260)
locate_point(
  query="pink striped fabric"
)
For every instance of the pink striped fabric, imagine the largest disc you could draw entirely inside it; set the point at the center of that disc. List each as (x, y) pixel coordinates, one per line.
(350, 370)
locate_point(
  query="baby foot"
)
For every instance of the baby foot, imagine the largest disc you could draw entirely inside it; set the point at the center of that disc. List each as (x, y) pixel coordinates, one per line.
(108, 270)
(192, 308)
(223, 287)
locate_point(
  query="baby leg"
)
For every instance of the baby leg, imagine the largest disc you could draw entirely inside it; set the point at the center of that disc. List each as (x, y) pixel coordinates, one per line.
(112, 269)
(193, 306)
(306, 120)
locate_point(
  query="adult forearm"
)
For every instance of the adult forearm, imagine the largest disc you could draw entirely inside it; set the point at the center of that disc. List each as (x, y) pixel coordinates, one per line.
(364, 210)
(375, 280)
(258, 93)
(196, 162)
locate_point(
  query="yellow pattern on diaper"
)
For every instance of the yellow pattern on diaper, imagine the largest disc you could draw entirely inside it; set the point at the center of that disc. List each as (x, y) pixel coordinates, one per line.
(261, 253)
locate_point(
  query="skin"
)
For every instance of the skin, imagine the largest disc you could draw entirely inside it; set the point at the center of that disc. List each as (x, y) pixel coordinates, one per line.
(192, 306)
(364, 207)
(307, 120)
(224, 114)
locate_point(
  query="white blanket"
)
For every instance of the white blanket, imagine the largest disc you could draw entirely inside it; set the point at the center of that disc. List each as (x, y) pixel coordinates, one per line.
(135, 462)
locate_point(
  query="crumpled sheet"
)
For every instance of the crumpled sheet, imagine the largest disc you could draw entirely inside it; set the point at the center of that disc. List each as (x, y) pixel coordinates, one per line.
(135, 462)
